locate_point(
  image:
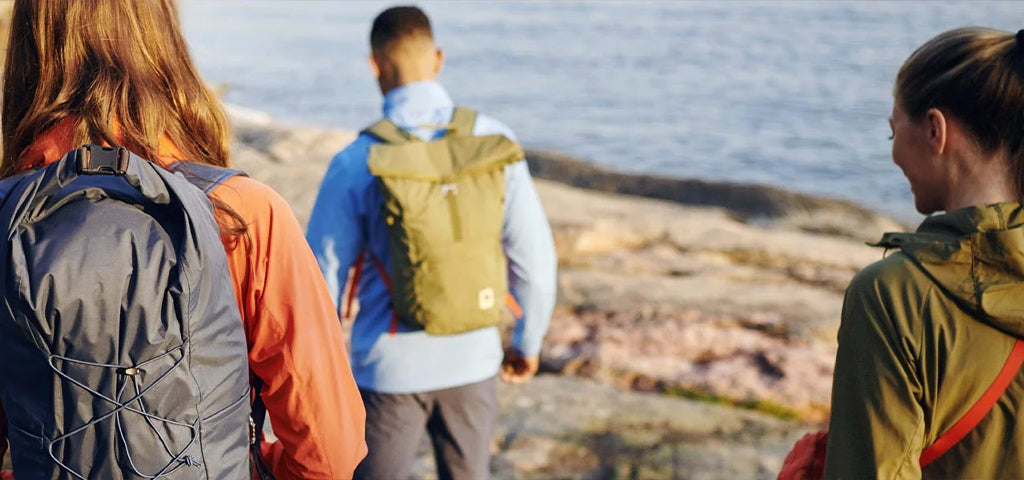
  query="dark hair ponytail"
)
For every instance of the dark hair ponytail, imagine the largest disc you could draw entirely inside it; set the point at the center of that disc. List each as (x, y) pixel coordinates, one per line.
(977, 76)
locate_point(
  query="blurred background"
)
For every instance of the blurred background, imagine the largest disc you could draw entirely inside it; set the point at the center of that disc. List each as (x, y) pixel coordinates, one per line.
(695, 331)
(787, 93)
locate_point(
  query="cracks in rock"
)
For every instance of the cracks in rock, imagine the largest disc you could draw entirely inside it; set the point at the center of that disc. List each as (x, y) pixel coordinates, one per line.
(766, 366)
(636, 351)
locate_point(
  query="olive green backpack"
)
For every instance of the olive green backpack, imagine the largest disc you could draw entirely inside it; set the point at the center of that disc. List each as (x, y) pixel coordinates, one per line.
(444, 209)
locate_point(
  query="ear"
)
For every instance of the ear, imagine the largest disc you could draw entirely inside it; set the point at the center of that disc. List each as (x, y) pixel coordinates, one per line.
(438, 61)
(374, 66)
(938, 130)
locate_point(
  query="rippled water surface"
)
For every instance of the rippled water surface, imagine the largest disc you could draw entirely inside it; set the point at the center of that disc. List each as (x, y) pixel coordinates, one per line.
(792, 94)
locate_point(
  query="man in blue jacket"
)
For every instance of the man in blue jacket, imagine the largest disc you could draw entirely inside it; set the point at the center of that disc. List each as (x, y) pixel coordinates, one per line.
(410, 380)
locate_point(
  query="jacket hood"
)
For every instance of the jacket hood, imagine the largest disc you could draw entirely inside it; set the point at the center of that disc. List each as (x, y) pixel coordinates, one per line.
(976, 255)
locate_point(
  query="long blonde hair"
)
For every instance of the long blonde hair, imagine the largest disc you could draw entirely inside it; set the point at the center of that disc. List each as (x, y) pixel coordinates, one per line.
(112, 64)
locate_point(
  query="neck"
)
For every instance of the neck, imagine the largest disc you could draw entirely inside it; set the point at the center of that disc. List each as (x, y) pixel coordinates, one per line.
(989, 181)
(399, 80)
(407, 66)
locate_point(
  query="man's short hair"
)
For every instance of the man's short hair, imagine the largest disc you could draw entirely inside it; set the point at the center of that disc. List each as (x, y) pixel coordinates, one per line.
(396, 24)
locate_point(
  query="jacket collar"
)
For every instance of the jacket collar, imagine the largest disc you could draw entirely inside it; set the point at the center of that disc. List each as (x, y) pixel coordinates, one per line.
(51, 145)
(974, 255)
(417, 104)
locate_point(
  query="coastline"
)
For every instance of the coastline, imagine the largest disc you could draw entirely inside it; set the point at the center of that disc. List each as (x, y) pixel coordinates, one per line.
(749, 203)
(695, 329)
(711, 297)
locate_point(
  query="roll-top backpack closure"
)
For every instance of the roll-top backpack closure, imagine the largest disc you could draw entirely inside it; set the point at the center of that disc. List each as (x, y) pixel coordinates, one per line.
(444, 210)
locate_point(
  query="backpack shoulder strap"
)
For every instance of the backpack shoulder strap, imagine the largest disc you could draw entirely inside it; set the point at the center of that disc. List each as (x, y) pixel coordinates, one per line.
(205, 177)
(463, 120)
(980, 408)
(353, 288)
(257, 419)
(386, 131)
(8, 184)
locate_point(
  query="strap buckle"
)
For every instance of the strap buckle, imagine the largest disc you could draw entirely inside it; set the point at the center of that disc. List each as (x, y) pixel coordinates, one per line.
(252, 431)
(95, 160)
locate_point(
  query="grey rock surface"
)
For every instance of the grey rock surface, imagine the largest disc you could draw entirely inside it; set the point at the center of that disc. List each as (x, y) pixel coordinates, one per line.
(691, 339)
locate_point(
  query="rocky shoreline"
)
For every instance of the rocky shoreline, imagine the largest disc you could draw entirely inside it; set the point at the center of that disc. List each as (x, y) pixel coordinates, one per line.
(701, 322)
(694, 335)
(752, 204)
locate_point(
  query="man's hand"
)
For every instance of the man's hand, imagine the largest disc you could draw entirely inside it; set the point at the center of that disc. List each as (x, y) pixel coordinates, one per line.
(517, 369)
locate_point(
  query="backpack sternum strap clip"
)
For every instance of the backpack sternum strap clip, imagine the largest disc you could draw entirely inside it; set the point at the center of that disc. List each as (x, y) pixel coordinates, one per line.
(96, 159)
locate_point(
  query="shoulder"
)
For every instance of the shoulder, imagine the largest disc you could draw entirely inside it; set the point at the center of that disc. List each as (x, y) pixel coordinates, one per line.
(255, 201)
(354, 153)
(892, 291)
(349, 164)
(487, 125)
(890, 275)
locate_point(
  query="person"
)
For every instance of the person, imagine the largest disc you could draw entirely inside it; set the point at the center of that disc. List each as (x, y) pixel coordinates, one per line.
(412, 380)
(927, 380)
(118, 72)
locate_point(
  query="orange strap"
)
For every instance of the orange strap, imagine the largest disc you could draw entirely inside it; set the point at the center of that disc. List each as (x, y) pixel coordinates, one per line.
(393, 328)
(980, 409)
(354, 287)
(513, 306)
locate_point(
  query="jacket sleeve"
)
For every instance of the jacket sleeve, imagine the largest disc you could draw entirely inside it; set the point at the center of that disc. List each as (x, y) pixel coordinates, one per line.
(877, 428)
(336, 230)
(295, 343)
(532, 263)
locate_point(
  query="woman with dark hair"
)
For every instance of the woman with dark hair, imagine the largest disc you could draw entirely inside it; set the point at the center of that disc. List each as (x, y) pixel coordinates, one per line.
(118, 73)
(927, 377)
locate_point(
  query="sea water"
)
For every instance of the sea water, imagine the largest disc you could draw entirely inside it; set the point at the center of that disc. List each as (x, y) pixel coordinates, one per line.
(790, 94)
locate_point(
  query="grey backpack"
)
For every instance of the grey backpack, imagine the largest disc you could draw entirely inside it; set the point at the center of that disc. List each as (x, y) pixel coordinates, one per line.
(122, 353)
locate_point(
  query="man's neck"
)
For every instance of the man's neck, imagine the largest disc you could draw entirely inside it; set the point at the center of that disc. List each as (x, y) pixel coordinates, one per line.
(402, 79)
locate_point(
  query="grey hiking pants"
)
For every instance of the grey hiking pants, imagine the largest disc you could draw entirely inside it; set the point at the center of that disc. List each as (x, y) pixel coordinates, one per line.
(459, 420)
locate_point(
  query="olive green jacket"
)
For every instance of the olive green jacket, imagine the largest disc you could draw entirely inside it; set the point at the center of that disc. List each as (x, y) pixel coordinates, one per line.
(924, 332)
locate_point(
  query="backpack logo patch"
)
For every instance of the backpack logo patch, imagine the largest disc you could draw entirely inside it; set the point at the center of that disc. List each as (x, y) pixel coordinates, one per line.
(485, 298)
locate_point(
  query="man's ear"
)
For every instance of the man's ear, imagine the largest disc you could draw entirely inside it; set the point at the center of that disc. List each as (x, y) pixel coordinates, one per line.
(438, 61)
(374, 67)
(938, 130)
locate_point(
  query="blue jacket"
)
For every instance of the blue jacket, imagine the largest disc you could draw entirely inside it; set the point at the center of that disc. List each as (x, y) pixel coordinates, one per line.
(347, 219)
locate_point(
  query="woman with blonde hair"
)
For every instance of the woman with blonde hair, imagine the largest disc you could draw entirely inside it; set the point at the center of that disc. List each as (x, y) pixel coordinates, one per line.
(927, 378)
(117, 73)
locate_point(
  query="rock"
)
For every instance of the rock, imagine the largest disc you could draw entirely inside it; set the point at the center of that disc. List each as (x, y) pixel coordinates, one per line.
(753, 203)
(717, 293)
(641, 435)
(290, 159)
(594, 431)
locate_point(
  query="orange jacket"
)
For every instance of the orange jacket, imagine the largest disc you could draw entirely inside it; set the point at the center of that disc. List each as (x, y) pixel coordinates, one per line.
(295, 341)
